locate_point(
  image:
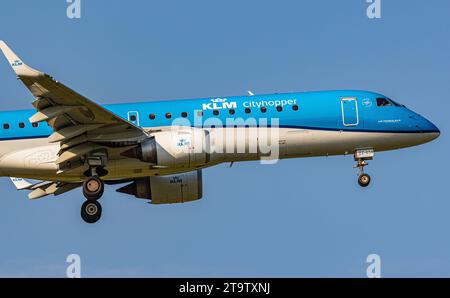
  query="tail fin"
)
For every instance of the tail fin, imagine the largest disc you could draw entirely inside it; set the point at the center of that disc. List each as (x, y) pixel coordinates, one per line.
(19, 67)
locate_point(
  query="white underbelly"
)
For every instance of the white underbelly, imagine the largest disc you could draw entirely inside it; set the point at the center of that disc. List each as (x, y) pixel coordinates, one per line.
(34, 158)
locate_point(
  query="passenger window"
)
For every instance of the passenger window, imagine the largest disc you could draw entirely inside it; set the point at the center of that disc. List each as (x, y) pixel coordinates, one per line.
(21, 125)
(184, 114)
(6, 126)
(168, 115)
(295, 107)
(200, 113)
(382, 102)
(279, 108)
(248, 111)
(216, 112)
(263, 109)
(35, 124)
(231, 111)
(152, 116)
(132, 118)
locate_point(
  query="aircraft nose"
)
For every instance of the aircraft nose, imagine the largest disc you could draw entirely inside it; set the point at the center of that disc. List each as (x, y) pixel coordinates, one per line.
(435, 129)
(428, 126)
(429, 129)
(422, 124)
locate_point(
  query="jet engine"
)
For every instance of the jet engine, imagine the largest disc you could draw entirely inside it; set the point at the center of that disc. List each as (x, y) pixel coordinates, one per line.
(186, 147)
(168, 189)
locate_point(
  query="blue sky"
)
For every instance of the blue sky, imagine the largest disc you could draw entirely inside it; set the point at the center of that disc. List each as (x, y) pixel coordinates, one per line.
(298, 218)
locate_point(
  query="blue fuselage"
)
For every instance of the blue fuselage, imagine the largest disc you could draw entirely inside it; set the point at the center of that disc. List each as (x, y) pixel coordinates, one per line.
(359, 111)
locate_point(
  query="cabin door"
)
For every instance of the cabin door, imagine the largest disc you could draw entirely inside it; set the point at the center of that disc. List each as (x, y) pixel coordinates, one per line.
(349, 106)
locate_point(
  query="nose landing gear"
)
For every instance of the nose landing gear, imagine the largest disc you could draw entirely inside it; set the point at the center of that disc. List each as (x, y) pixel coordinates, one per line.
(361, 155)
(364, 180)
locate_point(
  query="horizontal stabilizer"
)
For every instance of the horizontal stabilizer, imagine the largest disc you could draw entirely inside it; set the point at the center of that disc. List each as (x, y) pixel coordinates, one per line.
(20, 183)
(43, 188)
(36, 194)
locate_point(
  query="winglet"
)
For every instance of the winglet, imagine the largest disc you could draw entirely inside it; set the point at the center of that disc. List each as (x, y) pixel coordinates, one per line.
(19, 67)
(20, 183)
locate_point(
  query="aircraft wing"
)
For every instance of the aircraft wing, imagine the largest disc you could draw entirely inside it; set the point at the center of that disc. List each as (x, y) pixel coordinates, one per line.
(79, 124)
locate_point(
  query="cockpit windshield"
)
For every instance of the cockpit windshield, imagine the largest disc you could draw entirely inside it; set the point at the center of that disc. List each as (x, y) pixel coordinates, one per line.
(384, 101)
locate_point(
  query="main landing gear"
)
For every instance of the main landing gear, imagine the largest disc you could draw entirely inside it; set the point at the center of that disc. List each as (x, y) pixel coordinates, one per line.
(93, 188)
(91, 211)
(361, 155)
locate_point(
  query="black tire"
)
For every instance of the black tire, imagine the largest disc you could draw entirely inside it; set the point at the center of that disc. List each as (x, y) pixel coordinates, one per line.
(93, 188)
(364, 180)
(91, 211)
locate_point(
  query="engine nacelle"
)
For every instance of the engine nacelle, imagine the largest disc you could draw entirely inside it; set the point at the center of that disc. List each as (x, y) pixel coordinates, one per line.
(168, 189)
(185, 147)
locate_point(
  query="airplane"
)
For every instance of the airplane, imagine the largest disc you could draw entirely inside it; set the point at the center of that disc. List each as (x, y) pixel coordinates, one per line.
(159, 148)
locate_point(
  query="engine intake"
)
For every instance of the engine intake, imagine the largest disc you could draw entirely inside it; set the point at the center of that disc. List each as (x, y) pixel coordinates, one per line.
(186, 147)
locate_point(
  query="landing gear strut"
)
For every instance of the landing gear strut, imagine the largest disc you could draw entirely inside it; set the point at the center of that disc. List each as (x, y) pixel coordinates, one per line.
(93, 188)
(361, 155)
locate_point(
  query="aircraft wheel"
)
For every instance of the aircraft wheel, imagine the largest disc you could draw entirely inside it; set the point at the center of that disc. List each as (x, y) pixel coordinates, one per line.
(93, 188)
(91, 211)
(364, 180)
